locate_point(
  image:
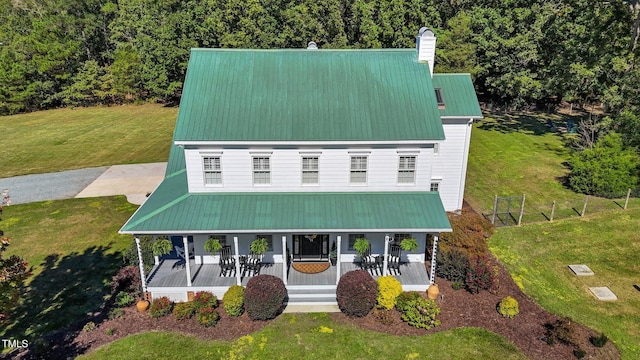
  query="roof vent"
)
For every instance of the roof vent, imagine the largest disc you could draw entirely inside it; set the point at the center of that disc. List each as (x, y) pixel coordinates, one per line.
(312, 45)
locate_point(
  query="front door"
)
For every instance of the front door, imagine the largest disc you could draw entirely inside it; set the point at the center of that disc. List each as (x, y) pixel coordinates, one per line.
(310, 246)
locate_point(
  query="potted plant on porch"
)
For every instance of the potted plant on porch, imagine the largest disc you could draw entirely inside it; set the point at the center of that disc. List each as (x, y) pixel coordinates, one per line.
(161, 246)
(213, 245)
(409, 244)
(361, 245)
(259, 246)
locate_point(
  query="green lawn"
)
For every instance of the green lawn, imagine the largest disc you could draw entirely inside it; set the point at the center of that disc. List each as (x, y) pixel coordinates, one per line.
(511, 155)
(537, 257)
(64, 139)
(314, 336)
(73, 249)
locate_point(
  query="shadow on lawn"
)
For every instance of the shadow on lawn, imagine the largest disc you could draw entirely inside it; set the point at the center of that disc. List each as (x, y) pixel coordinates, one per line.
(70, 291)
(526, 123)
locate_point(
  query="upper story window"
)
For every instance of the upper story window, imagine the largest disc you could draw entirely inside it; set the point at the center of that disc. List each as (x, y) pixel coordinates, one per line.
(212, 170)
(358, 173)
(407, 170)
(310, 170)
(261, 170)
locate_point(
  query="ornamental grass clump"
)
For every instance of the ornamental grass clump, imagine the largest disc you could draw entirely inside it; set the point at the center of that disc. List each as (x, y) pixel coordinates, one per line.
(508, 307)
(184, 310)
(160, 307)
(388, 290)
(264, 297)
(233, 300)
(356, 293)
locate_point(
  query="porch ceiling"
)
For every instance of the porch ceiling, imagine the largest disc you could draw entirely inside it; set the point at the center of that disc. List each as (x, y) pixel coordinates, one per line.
(170, 210)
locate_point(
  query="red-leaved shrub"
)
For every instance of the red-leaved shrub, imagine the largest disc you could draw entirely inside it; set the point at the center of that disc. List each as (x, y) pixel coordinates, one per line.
(356, 293)
(264, 297)
(127, 279)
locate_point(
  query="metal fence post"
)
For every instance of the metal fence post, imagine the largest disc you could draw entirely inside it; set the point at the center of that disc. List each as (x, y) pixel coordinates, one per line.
(521, 209)
(626, 202)
(495, 204)
(553, 210)
(584, 207)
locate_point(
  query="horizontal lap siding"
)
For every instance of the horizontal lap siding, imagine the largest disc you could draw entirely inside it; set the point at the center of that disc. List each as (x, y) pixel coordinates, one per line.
(334, 169)
(450, 163)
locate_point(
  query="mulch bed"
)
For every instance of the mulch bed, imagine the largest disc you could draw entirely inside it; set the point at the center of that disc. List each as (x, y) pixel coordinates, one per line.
(459, 308)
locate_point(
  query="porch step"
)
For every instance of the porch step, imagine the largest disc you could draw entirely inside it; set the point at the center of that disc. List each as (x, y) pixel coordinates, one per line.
(301, 297)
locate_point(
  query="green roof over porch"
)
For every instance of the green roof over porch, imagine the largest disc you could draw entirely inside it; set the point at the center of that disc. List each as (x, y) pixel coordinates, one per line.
(169, 210)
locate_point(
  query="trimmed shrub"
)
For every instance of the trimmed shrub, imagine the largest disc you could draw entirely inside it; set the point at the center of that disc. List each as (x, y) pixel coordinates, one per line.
(388, 290)
(508, 307)
(418, 311)
(264, 297)
(470, 233)
(233, 300)
(356, 293)
(405, 298)
(124, 299)
(207, 316)
(184, 310)
(127, 279)
(562, 330)
(204, 299)
(599, 341)
(160, 307)
(480, 275)
(452, 265)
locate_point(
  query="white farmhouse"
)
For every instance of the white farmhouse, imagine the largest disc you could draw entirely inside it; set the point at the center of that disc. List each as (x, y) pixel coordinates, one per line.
(309, 149)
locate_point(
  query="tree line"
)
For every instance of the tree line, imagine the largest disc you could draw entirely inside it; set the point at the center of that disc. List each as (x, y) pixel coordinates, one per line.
(520, 53)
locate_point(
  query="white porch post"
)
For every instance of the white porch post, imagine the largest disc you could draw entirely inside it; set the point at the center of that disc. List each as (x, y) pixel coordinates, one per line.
(285, 261)
(432, 275)
(338, 264)
(185, 243)
(237, 258)
(143, 279)
(385, 262)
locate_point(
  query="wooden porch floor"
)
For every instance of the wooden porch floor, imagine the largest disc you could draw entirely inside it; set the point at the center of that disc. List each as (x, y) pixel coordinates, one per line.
(173, 273)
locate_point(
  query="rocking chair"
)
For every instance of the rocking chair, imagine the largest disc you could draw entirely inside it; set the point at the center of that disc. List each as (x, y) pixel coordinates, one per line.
(227, 261)
(394, 258)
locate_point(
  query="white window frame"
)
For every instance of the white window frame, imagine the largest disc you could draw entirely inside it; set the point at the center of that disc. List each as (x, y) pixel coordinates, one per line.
(269, 239)
(436, 149)
(215, 169)
(261, 169)
(435, 184)
(352, 240)
(353, 171)
(406, 167)
(310, 169)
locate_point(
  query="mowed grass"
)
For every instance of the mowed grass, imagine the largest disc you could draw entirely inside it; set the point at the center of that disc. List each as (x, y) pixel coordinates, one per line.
(511, 155)
(65, 139)
(537, 257)
(314, 336)
(73, 249)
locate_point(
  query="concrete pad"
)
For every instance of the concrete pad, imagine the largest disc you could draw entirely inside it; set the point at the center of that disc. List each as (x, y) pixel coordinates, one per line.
(310, 308)
(603, 293)
(134, 181)
(581, 270)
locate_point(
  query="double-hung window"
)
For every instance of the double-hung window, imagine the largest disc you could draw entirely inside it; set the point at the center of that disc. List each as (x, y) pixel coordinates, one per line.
(407, 170)
(310, 170)
(261, 170)
(358, 173)
(212, 170)
(352, 240)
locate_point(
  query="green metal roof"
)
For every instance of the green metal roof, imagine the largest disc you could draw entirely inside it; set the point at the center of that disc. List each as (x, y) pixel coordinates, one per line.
(171, 210)
(307, 95)
(458, 95)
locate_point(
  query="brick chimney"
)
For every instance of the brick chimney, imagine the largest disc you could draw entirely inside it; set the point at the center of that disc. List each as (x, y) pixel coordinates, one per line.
(426, 45)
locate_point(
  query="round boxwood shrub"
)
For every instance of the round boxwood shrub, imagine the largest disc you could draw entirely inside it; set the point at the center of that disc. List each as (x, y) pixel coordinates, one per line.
(388, 290)
(203, 299)
(160, 307)
(508, 307)
(356, 293)
(264, 297)
(207, 316)
(233, 300)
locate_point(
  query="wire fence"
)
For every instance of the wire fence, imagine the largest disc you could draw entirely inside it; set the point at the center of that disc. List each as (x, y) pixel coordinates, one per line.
(522, 209)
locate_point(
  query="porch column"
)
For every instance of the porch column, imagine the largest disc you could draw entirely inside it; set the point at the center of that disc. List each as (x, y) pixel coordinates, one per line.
(338, 266)
(432, 275)
(143, 279)
(185, 243)
(385, 262)
(285, 262)
(237, 259)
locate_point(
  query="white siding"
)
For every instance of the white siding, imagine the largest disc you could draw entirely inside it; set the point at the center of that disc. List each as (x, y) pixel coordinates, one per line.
(450, 164)
(334, 168)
